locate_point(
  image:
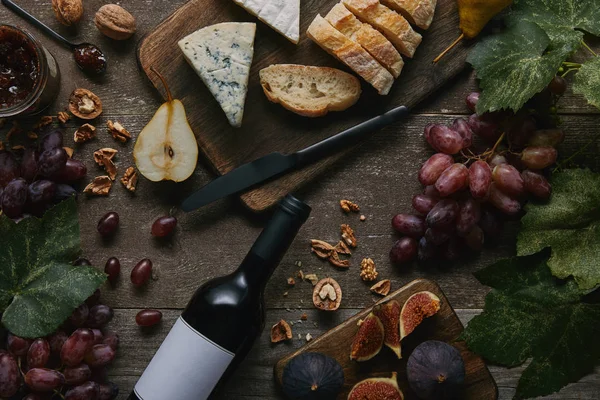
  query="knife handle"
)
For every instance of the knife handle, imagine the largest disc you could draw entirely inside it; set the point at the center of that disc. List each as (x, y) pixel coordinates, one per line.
(348, 137)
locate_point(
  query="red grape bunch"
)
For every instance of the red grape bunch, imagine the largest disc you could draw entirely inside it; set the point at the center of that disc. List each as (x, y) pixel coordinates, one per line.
(469, 190)
(40, 177)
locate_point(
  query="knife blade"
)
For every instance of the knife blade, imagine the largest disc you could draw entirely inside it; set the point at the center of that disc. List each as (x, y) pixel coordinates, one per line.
(273, 165)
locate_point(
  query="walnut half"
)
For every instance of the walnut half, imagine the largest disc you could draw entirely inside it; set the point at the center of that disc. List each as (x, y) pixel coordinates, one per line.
(100, 186)
(327, 295)
(368, 273)
(84, 104)
(129, 180)
(84, 133)
(118, 132)
(281, 331)
(347, 206)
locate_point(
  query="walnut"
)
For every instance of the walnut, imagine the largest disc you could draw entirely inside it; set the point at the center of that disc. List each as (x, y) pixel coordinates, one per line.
(101, 154)
(118, 132)
(84, 104)
(368, 273)
(291, 281)
(363, 218)
(111, 168)
(44, 121)
(321, 249)
(382, 287)
(300, 275)
(281, 331)
(348, 206)
(69, 151)
(32, 135)
(342, 248)
(304, 317)
(19, 147)
(129, 179)
(63, 117)
(68, 12)
(336, 261)
(327, 295)
(348, 235)
(100, 186)
(84, 133)
(308, 337)
(115, 22)
(312, 278)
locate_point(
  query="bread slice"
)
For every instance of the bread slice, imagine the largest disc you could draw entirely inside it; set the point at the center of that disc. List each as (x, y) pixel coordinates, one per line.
(417, 12)
(351, 54)
(368, 37)
(281, 15)
(309, 91)
(393, 25)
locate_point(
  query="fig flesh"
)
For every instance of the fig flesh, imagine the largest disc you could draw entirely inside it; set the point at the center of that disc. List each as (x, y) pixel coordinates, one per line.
(312, 376)
(419, 306)
(436, 370)
(368, 340)
(377, 389)
(389, 315)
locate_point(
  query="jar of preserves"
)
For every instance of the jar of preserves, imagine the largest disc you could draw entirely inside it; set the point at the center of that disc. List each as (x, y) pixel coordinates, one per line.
(29, 74)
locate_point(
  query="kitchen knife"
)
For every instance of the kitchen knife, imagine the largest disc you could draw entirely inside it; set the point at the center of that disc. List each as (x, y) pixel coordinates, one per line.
(275, 164)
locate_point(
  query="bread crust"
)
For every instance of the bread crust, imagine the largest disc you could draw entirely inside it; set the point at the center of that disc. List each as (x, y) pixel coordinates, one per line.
(417, 12)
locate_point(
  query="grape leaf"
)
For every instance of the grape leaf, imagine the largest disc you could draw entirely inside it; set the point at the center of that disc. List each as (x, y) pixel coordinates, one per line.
(39, 288)
(587, 81)
(531, 315)
(569, 224)
(515, 65)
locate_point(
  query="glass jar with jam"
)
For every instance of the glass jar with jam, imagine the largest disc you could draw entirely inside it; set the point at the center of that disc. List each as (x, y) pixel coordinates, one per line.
(29, 74)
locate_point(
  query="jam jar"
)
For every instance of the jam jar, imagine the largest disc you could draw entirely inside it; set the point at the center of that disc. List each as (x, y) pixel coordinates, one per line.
(29, 74)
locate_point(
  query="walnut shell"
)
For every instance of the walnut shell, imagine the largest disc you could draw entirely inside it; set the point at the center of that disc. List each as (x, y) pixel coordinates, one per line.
(327, 295)
(84, 104)
(68, 12)
(115, 22)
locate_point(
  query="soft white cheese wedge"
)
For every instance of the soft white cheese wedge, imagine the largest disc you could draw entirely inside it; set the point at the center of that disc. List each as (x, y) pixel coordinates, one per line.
(281, 15)
(221, 55)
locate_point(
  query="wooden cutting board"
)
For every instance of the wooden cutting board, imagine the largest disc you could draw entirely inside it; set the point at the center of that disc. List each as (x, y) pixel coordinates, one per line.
(267, 127)
(444, 326)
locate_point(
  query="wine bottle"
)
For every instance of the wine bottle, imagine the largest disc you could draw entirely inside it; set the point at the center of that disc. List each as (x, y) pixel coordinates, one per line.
(224, 317)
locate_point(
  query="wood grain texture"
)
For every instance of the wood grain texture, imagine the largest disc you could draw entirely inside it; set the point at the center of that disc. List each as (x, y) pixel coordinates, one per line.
(444, 326)
(268, 127)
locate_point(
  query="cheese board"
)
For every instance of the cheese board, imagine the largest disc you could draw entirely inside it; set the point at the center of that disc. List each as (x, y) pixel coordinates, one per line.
(444, 326)
(267, 127)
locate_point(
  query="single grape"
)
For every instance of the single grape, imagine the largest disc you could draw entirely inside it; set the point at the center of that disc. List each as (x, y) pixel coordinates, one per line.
(423, 204)
(536, 184)
(108, 224)
(98, 336)
(100, 315)
(79, 343)
(148, 317)
(51, 140)
(454, 179)
(112, 269)
(404, 250)
(498, 159)
(468, 216)
(86, 391)
(445, 139)
(547, 137)
(40, 194)
(409, 225)
(108, 391)
(14, 198)
(38, 354)
(464, 130)
(558, 85)
(52, 161)
(80, 315)
(77, 375)
(43, 379)
(480, 179)
(56, 341)
(427, 134)
(164, 226)
(452, 249)
(427, 252)
(443, 215)
(10, 379)
(17, 346)
(475, 239)
(472, 100)
(100, 355)
(484, 127)
(491, 223)
(503, 202)
(434, 167)
(63, 192)
(9, 169)
(111, 339)
(142, 272)
(82, 262)
(72, 171)
(29, 162)
(539, 157)
(437, 236)
(508, 180)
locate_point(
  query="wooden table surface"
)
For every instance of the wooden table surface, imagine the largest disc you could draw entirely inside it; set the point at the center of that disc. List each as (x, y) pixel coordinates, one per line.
(380, 177)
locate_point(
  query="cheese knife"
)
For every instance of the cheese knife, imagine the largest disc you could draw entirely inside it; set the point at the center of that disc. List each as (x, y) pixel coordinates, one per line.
(273, 165)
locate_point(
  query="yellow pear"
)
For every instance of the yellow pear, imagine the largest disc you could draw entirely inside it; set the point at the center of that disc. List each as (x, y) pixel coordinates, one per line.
(166, 149)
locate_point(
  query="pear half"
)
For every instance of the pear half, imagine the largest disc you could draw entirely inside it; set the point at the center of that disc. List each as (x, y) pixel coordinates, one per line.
(166, 149)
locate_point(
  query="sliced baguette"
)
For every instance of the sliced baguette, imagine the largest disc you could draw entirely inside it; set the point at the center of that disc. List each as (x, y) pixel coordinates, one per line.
(351, 54)
(417, 12)
(393, 25)
(309, 91)
(368, 37)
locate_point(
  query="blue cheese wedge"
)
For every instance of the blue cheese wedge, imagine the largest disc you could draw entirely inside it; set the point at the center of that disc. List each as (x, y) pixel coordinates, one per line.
(281, 15)
(221, 55)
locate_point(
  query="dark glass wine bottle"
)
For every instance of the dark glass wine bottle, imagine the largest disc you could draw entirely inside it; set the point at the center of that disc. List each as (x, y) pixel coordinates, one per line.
(224, 317)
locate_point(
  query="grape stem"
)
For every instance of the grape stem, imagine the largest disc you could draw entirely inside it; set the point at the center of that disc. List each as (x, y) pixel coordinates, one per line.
(567, 72)
(578, 152)
(493, 150)
(59, 394)
(588, 48)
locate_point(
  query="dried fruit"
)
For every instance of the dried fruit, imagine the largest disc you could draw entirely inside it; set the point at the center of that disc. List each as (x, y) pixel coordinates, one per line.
(327, 295)
(311, 376)
(348, 206)
(389, 315)
(435, 370)
(118, 132)
(68, 12)
(281, 331)
(419, 306)
(377, 389)
(348, 235)
(100, 186)
(382, 287)
(84, 133)
(129, 179)
(368, 273)
(115, 22)
(84, 104)
(368, 340)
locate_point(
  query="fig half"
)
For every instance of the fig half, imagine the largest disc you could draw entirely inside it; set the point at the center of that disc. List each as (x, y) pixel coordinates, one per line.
(389, 315)
(419, 306)
(377, 389)
(312, 376)
(368, 340)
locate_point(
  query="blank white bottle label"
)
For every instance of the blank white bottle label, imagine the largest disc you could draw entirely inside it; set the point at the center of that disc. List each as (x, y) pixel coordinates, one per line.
(187, 366)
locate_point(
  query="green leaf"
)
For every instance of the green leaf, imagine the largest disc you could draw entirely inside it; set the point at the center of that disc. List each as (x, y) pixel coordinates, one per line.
(514, 66)
(569, 224)
(587, 81)
(531, 315)
(39, 288)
